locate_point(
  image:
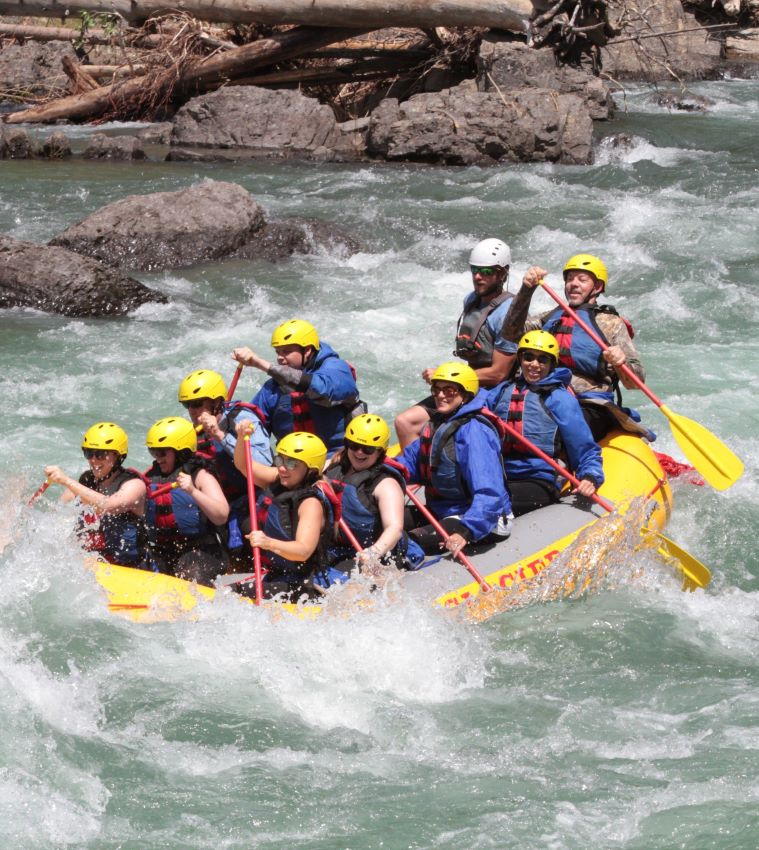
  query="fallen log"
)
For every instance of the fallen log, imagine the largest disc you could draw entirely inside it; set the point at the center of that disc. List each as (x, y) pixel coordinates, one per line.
(369, 14)
(105, 72)
(199, 75)
(80, 81)
(354, 72)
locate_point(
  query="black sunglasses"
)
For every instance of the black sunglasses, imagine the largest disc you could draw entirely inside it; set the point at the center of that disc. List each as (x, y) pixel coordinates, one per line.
(360, 447)
(195, 402)
(100, 454)
(159, 453)
(485, 271)
(529, 356)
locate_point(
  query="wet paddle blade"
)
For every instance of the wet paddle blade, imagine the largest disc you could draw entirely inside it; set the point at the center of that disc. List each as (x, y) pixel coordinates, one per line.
(707, 453)
(695, 574)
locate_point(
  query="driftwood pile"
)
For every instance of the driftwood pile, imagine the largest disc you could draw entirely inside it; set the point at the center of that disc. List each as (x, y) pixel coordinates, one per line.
(350, 53)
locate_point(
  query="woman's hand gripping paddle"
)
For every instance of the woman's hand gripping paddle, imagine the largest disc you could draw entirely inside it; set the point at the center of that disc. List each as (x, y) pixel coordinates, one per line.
(484, 586)
(696, 574)
(708, 454)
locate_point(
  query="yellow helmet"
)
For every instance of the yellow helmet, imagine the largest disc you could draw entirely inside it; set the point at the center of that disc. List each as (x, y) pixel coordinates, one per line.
(303, 446)
(106, 436)
(540, 341)
(202, 383)
(368, 429)
(458, 373)
(295, 332)
(587, 263)
(172, 432)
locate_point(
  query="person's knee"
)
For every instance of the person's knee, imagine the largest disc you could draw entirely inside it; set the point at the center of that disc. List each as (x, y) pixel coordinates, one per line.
(409, 424)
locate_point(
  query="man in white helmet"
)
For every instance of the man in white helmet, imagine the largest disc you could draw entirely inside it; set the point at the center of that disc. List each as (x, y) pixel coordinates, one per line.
(477, 332)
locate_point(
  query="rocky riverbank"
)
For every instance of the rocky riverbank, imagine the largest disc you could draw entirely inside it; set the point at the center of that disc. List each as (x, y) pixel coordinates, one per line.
(518, 104)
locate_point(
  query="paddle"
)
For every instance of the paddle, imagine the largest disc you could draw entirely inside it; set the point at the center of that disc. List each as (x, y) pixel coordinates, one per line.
(253, 516)
(230, 391)
(484, 586)
(694, 571)
(38, 492)
(233, 384)
(708, 454)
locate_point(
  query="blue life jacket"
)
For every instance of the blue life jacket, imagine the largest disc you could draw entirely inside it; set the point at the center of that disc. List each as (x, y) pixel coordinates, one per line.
(119, 538)
(175, 517)
(288, 411)
(360, 511)
(278, 518)
(548, 415)
(577, 351)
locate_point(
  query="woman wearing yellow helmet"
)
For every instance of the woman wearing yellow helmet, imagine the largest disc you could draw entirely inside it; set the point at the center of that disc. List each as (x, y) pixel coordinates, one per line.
(458, 460)
(538, 405)
(112, 522)
(371, 489)
(182, 521)
(294, 515)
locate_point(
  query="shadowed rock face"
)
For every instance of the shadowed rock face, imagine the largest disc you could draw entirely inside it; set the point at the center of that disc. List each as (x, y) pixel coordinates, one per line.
(463, 126)
(167, 229)
(58, 281)
(279, 239)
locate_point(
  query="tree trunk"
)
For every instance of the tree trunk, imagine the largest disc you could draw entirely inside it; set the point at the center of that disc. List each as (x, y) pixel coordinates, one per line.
(370, 14)
(207, 73)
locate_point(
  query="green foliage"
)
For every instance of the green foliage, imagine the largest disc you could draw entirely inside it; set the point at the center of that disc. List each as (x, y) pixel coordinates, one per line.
(106, 21)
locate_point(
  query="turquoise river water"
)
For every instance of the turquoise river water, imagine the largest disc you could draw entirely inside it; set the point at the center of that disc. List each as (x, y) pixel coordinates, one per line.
(625, 719)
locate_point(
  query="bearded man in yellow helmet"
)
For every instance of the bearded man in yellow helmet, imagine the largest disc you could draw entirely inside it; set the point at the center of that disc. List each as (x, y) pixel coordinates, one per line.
(596, 374)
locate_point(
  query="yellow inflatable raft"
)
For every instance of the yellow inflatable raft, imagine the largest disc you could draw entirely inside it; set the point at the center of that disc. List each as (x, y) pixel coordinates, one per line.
(538, 538)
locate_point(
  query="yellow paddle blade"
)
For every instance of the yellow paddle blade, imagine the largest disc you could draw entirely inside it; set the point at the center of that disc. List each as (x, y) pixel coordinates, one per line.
(707, 453)
(695, 574)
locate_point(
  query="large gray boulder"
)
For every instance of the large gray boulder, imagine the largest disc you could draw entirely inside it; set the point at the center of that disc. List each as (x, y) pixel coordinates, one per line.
(260, 122)
(58, 281)
(508, 65)
(167, 229)
(34, 68)
(463, 126)
(691, 55)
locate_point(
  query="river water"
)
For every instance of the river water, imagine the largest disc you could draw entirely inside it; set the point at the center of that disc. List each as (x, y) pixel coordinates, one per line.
(627, 719)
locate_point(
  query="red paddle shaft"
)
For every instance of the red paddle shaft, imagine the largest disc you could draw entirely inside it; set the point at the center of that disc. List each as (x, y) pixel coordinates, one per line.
(38, 492)
(484, 586)
(601, 344)
(253, 516)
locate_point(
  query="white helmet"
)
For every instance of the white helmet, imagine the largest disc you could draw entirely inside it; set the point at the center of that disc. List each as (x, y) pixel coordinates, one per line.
(490, 252)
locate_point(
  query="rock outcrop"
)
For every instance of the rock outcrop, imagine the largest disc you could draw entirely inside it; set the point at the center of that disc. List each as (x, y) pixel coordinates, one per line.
(260, 122)
(34, 69)
(690, 56)
(167, 229)
(504, 66)
(463, 126)
(210, 221)
(59, 281)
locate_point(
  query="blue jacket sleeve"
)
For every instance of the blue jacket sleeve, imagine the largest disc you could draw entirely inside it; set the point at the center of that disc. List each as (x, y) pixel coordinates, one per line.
(583, 451)
(266, 398)
(478, 452)
(332, 383)
(410, 459)
(260, 445)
